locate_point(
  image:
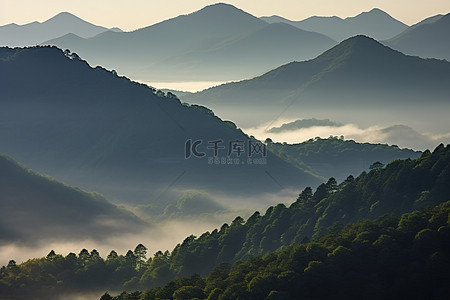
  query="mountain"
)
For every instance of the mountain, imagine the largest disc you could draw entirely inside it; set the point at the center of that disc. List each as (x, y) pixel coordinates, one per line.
(90, 128)
(425, 39)
(34, 33)
(391, 221)
(357, 80)
(338, 158)
(375, 23)
(252, 53)
(199, 47)
(39, 209)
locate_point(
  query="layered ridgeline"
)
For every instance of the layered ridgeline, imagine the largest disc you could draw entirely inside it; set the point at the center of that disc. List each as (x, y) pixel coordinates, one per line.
(338, 158)
(90, 128)
(37, 209)
(359, 79)
(392, 245)
(426, 39)
(375, 23)
(34, 33)
(217, 43)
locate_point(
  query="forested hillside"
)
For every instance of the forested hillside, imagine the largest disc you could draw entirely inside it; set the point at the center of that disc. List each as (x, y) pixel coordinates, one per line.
(336, 157)
(388, 258)
(400, 187)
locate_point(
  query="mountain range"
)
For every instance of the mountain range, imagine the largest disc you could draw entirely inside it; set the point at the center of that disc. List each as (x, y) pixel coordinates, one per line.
(90, 128)
(34, 33)
(359, 79)
(425, 38)
(375, 23)
(199, 46)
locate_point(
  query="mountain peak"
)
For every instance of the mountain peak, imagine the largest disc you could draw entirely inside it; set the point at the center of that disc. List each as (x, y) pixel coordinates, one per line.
(220, 5)
(376, 10)
(373, 12)
(375, 15)
(360, 44)
(63, 16)
(223, 9)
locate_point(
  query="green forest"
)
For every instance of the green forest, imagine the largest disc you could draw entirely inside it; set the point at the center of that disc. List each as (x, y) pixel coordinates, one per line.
(384, 234)
(336, 157)
(386, 258)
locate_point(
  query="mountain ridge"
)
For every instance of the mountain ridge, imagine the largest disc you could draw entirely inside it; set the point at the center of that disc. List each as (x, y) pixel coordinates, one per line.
(34, 33)
(358, 73)
(192, 47)
(375, 23)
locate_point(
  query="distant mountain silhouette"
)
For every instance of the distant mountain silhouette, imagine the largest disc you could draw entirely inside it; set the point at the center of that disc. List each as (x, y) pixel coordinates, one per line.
(352, 77)
(303, 123)
(93, 129)
(217, 43)
(36, 208)
(427, 39)
(34, 33)
(375, 23)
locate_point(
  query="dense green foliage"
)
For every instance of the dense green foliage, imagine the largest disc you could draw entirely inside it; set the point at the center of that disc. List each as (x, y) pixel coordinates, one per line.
(55, 274)
(400, 187)
(336, 157)
(388, 258)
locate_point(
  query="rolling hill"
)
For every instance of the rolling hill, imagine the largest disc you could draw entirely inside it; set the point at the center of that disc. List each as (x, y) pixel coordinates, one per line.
(90, 128)
(34, 33)
(217, 43)
(426, 39)
(375, 23)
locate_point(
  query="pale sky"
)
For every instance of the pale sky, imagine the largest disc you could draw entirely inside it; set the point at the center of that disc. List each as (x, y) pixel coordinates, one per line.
(134, 14)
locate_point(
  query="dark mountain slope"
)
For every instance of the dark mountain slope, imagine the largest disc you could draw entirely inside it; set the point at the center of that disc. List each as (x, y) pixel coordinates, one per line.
(37, 209)
(91, 128)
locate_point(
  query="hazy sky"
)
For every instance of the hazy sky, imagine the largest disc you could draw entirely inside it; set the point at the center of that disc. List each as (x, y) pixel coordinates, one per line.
(135, 14)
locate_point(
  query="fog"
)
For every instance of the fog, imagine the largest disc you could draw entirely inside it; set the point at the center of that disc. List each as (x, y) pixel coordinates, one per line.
(161, 235)
(395, 134)
(187, 86)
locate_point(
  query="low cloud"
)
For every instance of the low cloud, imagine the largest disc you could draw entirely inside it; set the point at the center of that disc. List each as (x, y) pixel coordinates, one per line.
(163, 234)
(397, 134)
